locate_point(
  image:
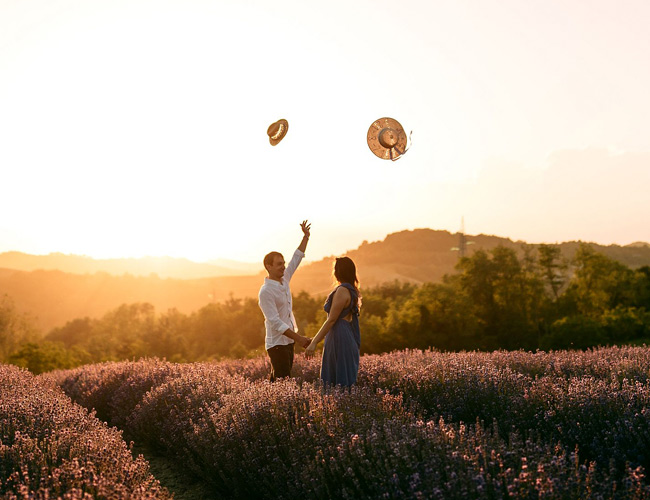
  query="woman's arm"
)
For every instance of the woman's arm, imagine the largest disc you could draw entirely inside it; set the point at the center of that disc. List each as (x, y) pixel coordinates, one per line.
(340, 301)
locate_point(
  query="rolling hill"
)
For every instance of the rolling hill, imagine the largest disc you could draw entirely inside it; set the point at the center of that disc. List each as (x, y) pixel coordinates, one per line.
(165, 267)
(53, 297)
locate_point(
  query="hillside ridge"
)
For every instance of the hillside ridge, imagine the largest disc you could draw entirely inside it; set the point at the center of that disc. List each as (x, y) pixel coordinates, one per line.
(165, 267)
(53, 297)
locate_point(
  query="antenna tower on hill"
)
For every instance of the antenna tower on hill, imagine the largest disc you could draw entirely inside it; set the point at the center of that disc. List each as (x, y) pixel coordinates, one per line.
(462, 241)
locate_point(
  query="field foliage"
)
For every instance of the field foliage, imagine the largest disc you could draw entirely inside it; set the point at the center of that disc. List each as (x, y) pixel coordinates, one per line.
(420, 424)
(51, 447)
(501, 299)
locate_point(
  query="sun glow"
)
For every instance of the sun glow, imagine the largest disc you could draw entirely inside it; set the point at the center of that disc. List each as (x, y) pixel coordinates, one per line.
(139, 128)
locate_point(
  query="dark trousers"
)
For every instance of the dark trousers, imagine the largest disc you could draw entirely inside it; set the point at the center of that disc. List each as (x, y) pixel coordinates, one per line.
(281, 361)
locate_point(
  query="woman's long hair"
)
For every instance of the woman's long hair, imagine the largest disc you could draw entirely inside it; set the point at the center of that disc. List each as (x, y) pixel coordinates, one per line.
(346, 272)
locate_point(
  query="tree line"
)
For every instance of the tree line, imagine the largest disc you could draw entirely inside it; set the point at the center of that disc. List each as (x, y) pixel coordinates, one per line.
(495, 300)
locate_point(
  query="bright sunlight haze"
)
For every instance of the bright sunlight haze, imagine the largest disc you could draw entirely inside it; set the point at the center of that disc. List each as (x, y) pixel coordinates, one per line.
(133, 128)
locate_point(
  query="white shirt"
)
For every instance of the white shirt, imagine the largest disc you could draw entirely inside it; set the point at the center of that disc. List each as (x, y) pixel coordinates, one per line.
(275, 302)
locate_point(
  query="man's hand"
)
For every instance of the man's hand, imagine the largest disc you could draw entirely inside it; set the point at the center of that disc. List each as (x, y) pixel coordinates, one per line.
(304, 342)
(305, 226)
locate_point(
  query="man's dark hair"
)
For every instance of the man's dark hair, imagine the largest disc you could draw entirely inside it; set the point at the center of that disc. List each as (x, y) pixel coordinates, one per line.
(269, 258)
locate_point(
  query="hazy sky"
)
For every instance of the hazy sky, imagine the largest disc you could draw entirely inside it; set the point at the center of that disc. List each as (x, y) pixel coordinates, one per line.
(132, 128)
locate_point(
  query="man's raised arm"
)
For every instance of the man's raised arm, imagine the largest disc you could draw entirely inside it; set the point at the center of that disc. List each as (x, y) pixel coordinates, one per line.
(299, 253)
(305, 226)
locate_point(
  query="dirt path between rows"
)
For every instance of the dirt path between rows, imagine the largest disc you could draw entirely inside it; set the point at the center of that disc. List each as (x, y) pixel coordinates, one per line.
(184, 485)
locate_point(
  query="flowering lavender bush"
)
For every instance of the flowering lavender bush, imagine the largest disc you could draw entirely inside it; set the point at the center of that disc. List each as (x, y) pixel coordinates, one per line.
(113, 389)
(580, 399)
(52, 448)
(176, 404)
(279, 430)
(420, 424)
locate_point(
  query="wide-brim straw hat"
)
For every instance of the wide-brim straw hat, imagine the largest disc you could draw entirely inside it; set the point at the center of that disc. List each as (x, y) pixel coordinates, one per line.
(387, 139)
(277, 131)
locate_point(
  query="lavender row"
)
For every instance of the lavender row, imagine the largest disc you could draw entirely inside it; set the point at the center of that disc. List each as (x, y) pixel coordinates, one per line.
(607, 363)
(597, 400)
(253, 439)
(249, 438)
(386, 437)
(53, 448)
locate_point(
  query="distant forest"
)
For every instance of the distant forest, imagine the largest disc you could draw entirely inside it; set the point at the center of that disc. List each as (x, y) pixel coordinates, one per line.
(496, 299)
(56, 289)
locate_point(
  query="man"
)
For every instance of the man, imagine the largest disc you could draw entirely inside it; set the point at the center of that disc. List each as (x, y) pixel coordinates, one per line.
(276, 303)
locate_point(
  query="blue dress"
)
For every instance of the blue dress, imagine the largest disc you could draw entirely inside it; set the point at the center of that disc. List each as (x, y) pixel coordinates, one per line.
(340, 363)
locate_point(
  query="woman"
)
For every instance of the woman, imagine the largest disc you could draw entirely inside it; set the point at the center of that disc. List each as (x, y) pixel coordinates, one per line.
(340, 363)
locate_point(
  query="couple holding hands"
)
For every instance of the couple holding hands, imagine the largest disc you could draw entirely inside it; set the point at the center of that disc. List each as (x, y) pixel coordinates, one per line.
(340, 361)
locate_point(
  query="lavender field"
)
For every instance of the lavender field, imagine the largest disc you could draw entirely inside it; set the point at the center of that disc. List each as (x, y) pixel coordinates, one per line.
(419, 425)
(51, 447)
